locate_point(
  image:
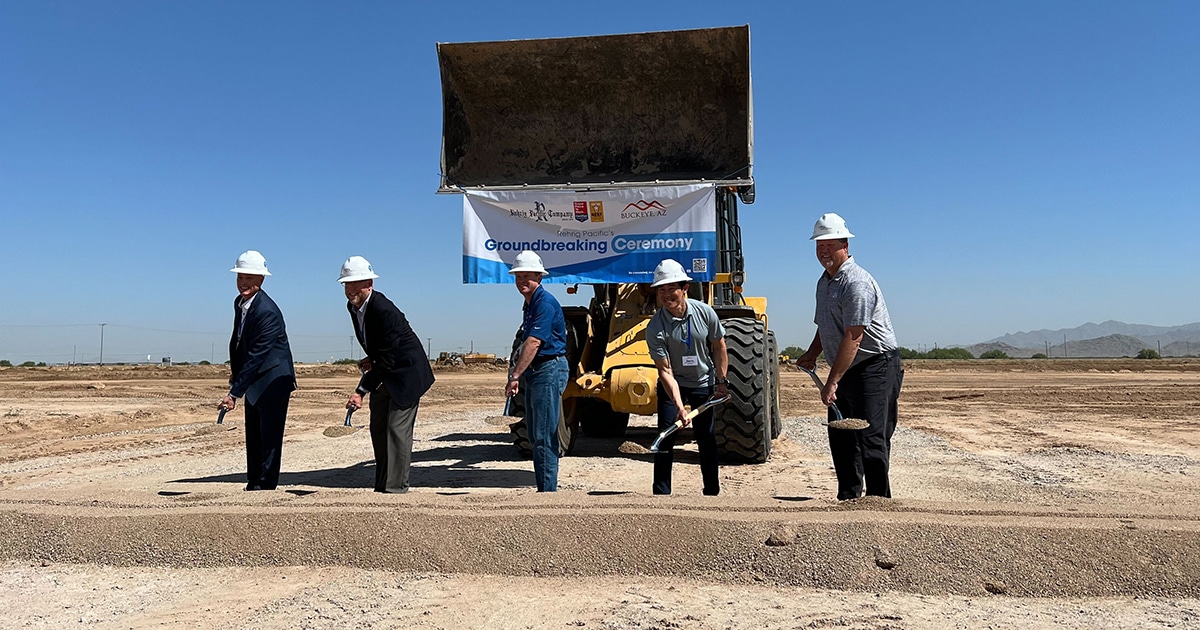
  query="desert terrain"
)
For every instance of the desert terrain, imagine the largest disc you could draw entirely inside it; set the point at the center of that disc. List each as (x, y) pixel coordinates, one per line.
(1053, 493)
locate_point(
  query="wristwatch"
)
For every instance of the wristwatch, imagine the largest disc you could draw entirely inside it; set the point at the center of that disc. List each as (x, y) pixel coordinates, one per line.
(722, 381)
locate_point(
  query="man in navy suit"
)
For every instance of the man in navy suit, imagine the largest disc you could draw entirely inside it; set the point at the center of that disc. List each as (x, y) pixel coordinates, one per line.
(262, 371)
(396, 373)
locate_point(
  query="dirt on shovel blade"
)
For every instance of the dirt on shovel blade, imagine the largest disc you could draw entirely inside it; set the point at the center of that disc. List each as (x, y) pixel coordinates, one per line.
(500, 421)
(340, 431)
(850, 424)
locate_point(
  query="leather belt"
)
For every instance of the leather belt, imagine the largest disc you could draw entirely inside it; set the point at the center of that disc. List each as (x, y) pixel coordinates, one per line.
(542, 358)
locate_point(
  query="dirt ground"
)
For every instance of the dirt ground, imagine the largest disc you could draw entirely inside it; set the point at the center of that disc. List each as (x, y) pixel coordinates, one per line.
(1027, 494)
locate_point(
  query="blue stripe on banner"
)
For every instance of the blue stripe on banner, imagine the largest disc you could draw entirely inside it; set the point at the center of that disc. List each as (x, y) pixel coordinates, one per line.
(632, 258)
(637, 267)
(482, 271)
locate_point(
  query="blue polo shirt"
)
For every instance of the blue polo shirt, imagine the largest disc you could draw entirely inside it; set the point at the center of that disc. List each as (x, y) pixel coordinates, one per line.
(544, 320)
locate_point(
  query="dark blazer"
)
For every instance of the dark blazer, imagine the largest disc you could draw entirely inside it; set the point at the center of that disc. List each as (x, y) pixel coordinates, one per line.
(398, 360)
(263, 355)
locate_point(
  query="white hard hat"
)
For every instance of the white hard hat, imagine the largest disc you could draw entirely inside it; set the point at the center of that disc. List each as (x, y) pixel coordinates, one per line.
(829, 227)
(251, 263)
(356, 268)
(669, 271)
(528, 261)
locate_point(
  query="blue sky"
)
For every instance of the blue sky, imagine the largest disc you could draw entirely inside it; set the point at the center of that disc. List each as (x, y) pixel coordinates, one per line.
(1005, 166)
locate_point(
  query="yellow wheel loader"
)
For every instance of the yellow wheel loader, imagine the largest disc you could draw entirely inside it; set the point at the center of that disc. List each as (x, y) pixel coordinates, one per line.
(607, 154)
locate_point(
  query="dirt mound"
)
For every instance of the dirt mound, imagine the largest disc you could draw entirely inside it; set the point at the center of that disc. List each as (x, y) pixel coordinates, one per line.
(936, 553)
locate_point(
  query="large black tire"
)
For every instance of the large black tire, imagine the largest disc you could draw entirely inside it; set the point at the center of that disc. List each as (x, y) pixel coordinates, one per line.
(597, 419)
(743, 425)
(776, 419)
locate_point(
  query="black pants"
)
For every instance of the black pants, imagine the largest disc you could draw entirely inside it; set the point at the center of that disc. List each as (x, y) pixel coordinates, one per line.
(392, 440)
(869, 391)
(264, 435)
(706, 440)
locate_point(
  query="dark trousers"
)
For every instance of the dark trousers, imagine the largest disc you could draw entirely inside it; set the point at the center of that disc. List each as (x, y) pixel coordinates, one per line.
(392, 440)
(264, 435)
(702, 428)
(870, 391)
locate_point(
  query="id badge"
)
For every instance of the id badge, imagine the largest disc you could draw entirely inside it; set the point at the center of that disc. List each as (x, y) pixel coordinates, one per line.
(691, 361)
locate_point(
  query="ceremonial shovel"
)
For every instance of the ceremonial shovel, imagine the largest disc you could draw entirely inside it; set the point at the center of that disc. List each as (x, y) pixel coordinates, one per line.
(344, 430)
(852, 424)
(712, 402)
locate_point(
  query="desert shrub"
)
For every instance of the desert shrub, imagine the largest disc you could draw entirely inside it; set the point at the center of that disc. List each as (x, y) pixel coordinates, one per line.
(204, 363)
(995, 354)
(1148, 353)
(936, 353)
(345, 362)
(1038, 355)
(949, 353)
(5, 363)
(183, 363)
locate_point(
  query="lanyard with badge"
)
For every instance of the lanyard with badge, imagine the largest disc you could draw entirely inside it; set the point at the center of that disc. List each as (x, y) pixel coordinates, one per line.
(689, 360)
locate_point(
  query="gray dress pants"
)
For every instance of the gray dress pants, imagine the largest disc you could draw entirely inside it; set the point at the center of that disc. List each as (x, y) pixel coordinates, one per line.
(392, 440)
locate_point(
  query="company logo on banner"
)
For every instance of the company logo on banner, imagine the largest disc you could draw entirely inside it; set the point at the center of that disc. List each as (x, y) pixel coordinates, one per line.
(579, 242)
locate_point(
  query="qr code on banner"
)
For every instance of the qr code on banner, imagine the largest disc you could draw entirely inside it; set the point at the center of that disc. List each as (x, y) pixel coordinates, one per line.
(699, 265)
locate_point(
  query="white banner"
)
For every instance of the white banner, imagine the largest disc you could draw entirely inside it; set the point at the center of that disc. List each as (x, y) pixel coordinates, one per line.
(591, 237)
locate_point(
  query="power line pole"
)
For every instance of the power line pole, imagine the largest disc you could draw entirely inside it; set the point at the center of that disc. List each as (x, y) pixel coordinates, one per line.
(102, 343)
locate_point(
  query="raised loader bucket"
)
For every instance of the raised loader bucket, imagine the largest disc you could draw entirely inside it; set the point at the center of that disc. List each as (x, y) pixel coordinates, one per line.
(663, 107)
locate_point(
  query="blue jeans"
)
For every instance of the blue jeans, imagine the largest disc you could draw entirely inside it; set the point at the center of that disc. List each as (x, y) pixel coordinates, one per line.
(544, 386)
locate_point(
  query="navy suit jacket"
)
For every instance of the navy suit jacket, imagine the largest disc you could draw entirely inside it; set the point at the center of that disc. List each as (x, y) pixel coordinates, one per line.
(398, 360)
(263, 354)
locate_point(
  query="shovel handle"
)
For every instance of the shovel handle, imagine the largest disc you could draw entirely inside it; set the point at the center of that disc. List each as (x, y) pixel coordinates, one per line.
(816, 379)
(821, 386)
(708, 404)
(662, 436)
(221, 415)
(349, 412)
(691, 415)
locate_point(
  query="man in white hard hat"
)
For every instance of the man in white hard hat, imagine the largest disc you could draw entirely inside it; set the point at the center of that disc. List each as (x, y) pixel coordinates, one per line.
(396, 373)
(261, 371)
(687, 343)
(542, 362)
(855, 332)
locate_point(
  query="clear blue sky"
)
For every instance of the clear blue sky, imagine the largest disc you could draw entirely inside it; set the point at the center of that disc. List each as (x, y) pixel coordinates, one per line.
(1006, 166)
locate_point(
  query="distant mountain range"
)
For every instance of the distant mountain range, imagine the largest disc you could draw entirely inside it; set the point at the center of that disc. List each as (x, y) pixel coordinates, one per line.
(1107, 339)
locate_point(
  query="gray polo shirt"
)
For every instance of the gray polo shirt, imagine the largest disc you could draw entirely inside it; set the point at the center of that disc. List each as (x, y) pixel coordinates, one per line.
(853, 298)
(689, 336)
